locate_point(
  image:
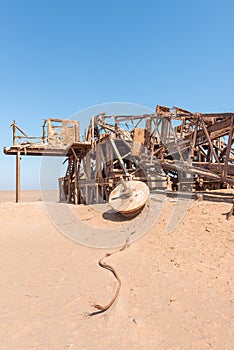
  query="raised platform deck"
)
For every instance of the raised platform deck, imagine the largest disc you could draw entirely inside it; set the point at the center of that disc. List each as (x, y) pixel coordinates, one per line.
(47, 150)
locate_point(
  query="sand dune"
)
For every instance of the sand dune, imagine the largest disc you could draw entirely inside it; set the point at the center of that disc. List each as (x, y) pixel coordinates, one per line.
(177, 289)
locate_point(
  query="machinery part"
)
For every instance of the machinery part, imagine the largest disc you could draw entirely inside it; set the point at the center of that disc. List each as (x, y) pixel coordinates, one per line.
(129, 196)
(104, 265)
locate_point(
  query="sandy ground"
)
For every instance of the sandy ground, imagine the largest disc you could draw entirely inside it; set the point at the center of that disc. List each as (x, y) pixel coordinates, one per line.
(177, 289)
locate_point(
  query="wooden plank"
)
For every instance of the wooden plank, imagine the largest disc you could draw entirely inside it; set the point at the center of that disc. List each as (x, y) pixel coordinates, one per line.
(139, 135)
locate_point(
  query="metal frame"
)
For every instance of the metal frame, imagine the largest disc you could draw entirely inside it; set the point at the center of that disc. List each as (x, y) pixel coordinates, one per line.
(167, 145)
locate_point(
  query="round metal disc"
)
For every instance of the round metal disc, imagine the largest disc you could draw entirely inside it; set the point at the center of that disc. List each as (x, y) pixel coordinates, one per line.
(129, 197)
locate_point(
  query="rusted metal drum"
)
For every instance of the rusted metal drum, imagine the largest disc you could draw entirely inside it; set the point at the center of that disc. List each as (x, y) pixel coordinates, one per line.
(129, 196)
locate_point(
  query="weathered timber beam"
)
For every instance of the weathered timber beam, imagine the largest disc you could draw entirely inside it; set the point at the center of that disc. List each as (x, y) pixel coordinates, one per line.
(20, 130)
(215, 131)
(215, 167)
(17, 187)
(76, 197)
(218, 115)
(229, 145)
(183, 166)
(225, 149)
(209, 141)
(192, 147)
(119, 157)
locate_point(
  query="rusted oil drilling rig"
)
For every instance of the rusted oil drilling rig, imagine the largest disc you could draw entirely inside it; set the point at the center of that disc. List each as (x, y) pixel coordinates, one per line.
(169, 148)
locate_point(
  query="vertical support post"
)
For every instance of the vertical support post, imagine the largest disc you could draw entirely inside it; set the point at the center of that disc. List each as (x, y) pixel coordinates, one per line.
(44, 132)
(86, 194)
(148, 131)
(17, 198)
(14, 132)
(69, 180)
(229, 145)
(192, 147)
(92, 133)
(96, 194)
(76, 182)
(164, 130)
(84, 136)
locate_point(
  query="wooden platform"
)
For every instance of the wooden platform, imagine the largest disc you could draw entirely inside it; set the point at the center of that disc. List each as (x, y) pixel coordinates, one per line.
(46, 150)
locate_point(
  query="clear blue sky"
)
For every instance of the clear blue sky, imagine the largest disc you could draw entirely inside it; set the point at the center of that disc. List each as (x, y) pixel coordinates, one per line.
(58, 57)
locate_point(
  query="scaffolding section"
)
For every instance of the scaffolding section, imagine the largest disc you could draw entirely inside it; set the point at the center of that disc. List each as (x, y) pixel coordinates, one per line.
(169, 148)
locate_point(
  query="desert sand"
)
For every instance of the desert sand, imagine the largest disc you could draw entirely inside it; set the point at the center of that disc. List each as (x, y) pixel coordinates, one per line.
(177, 289)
